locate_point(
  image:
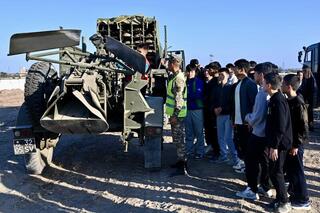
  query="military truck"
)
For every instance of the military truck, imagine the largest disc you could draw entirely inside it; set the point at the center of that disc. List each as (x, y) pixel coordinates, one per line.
(310, 56)
(91, 93)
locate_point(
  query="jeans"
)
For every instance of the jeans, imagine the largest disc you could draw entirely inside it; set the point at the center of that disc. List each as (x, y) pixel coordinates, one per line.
(224, 128)
(194, 130)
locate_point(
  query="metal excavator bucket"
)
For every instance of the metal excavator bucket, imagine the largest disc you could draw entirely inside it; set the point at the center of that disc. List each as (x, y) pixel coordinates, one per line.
(75, 113)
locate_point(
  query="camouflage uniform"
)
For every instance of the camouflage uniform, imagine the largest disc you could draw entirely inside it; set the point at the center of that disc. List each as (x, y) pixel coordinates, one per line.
(178, 129)
(178, 135)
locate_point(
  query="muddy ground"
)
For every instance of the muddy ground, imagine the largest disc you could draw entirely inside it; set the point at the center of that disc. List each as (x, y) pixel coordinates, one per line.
(92, 174)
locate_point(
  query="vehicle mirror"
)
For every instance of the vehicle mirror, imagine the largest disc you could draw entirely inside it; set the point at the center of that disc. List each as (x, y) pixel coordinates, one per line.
(299, 56)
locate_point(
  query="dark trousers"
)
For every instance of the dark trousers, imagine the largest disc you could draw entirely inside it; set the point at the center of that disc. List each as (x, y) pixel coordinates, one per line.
(297, 180)
(256, 157)
(277, 177)
(310, 114)
(241, 137)
(211, 135)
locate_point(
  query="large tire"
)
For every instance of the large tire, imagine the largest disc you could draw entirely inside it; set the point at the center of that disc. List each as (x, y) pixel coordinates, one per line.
(47, 155)
(38, 88)
(34, 163)
(40, 82)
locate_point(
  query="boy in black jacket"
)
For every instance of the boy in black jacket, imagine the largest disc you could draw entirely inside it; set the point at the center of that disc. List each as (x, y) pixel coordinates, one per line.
(298, 187)
(279, 138)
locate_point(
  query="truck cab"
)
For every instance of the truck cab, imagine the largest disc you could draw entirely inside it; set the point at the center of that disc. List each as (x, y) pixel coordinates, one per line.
(310, 56)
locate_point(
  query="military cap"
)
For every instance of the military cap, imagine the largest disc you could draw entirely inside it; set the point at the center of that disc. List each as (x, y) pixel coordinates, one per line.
(175, 59)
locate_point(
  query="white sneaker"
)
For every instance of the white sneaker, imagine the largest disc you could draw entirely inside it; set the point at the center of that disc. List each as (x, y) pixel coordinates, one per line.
(268, 193)
(248, 194)
(239, 165)
(301, 206)
(284, 208)
(241, 171)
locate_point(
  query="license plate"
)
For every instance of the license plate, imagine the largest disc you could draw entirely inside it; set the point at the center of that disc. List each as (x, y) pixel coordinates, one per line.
(24, 146)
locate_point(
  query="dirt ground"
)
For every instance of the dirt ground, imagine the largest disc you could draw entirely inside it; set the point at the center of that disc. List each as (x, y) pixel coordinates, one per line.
(91, 173)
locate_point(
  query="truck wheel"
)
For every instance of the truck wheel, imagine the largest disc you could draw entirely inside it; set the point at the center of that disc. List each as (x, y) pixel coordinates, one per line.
(38, 88)
(47, 154)
(40, 82)
(36, 162)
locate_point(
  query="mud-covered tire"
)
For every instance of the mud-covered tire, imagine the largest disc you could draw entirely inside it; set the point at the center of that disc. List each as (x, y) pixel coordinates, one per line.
(40, 82)
(47, 155)
(38, 88)
(34, 162)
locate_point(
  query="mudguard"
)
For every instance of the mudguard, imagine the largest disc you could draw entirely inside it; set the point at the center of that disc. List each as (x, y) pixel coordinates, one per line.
(36, 41)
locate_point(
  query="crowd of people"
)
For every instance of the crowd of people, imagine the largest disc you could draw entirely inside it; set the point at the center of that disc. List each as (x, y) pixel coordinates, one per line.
(250, 118)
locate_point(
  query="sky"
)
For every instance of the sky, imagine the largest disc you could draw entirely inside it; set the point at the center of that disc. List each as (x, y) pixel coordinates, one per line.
(227, 30)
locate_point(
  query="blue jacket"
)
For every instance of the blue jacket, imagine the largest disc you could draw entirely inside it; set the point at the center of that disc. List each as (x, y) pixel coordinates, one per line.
(195, 93)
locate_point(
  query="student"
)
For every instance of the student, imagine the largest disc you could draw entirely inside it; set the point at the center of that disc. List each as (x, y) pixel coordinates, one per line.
(224, 126)
(245, 91)
(212, 149)
(308, 88)
(297, 181)
(279, 139)
(194, 120)
(199, 70)
(300, 76)
(211, 96)
(251, 71)
(232, 77)
(257, 150)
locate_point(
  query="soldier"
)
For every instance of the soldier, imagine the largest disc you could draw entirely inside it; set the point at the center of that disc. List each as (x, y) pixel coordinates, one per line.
(176, 108)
